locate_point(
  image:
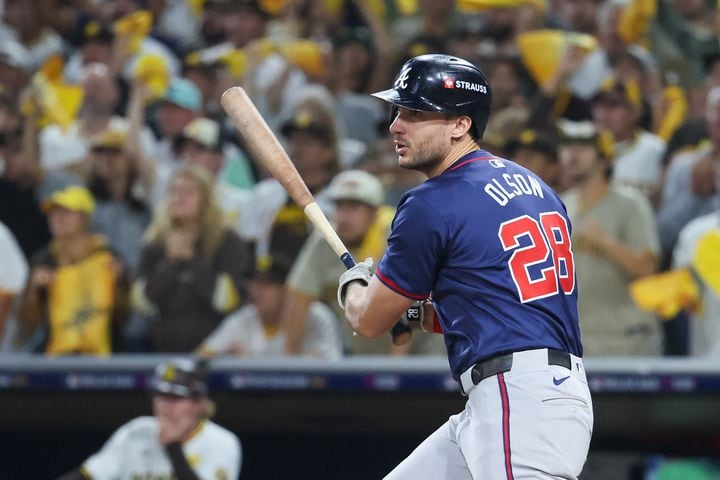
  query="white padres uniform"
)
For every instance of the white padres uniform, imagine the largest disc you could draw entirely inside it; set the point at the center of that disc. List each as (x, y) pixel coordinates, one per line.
(243, 331)
(638, 162)
(13, 268)
(134, 451)
(705, 326)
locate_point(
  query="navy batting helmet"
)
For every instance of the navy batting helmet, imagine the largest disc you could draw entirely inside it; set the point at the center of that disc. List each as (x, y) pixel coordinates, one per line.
(183, 377)
(442, 83)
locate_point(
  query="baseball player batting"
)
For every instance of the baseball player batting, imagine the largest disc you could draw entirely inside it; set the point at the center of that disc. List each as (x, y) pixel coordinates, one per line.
(491, 243)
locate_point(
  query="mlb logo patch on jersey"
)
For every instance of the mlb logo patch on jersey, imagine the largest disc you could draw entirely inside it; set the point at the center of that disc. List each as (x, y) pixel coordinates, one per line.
(496, 163)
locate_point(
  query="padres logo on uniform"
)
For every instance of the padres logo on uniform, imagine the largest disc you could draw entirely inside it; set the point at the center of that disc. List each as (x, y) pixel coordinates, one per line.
(169, 374)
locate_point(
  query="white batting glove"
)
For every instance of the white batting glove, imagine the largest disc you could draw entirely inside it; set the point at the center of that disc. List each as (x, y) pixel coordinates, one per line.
(361, 272)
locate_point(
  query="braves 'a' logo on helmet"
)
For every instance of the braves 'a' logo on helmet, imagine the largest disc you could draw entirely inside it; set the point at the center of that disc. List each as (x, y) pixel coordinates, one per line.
(402, 79)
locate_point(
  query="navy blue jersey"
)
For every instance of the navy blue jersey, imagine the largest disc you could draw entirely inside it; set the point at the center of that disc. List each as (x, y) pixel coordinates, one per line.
(490, 241)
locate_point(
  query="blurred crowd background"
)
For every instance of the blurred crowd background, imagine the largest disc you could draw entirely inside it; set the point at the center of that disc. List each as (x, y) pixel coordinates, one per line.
(133, 219)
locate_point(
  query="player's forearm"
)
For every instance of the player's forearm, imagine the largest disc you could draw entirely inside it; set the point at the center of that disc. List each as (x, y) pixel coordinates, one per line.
(357, 312)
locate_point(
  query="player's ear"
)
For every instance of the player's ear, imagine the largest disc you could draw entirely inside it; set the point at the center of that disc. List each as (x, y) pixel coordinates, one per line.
(461, 126)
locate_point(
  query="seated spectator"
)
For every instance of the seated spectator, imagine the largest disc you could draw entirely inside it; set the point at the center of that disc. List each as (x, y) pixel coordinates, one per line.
(689, 189)
(181, 105)
(21, 181)
(179, 441)
(362, 223)
(13, 275)
(25, 22)
(510, 111)
(193, 269)
(705, 320)
(77, 295)
(536, 150)
(201, 143)
(15, 68)
(313, 147)
(615, 241)
(618, 109)
(120, 215)
(65, 148)
(255, 329)
(187, 136)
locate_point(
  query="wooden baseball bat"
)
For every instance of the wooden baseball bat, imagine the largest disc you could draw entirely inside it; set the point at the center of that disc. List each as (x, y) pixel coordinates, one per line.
(264, 146)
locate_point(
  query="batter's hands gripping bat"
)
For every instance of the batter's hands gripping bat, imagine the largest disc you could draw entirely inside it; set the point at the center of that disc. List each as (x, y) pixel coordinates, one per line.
(265, 148)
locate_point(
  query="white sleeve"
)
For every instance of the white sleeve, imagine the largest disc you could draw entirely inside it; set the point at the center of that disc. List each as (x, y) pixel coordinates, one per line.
(227, 334)
(59, 149)
(13, 266)
(107, 463)
(224, 460)
(233, 459)
(687, 242)
(148, 145)
(322, 338)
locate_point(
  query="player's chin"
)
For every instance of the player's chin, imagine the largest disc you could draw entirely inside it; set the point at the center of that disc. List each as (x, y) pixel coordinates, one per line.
(406, 161)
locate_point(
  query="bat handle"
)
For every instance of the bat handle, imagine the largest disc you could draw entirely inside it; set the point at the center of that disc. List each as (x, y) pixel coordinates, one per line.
(400, 332)
(347, 260)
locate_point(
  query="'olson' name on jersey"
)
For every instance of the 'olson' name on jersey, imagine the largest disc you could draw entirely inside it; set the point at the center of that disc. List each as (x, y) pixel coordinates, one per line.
(506, 187)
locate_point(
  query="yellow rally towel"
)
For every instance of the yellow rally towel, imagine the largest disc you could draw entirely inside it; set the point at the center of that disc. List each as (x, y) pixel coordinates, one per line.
(134, 27)
(153, 71)
(541, 50)
(473, 6)
(674, 110)
(635, 19)
(80, 304)
(58, 101)
(666, 293)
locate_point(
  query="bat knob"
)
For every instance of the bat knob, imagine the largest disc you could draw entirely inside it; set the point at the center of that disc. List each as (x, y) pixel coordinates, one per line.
(401, 334)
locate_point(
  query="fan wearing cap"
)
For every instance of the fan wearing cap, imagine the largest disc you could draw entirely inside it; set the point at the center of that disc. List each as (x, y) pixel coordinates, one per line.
(689, 190)
(66, 148)
(181, 104)
(121, 214)
(638, 153)
(179, 441)
(256, 330)
(311, 143)
(201, 143)
(705, 330)
(76, 298)
(615, 241)
(536, 150)
(362, 222)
